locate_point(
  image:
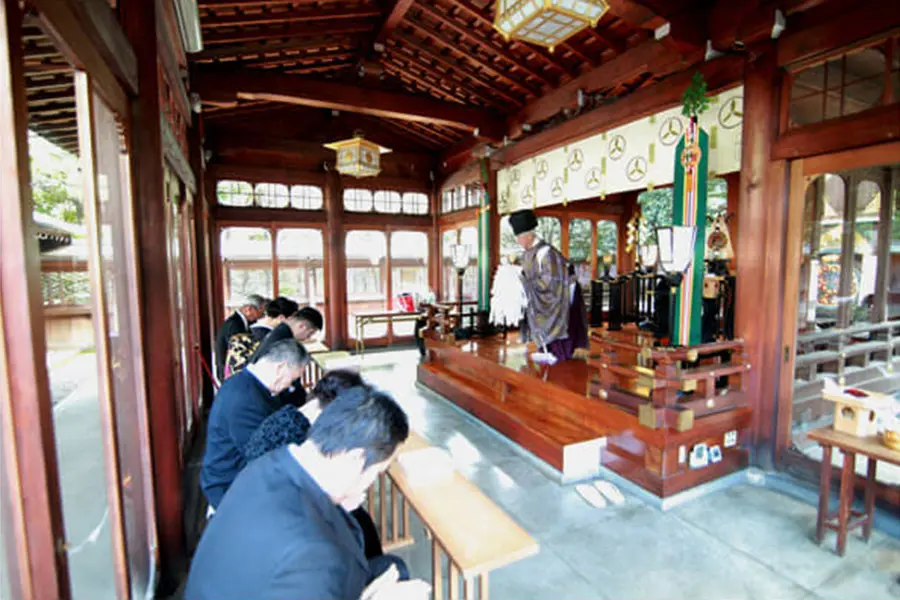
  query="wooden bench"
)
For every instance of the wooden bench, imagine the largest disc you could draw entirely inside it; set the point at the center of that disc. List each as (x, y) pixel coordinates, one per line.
(461, 522)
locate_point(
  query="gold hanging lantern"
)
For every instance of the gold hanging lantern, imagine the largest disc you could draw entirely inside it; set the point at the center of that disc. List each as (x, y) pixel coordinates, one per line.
(546, 22)
(358, 157)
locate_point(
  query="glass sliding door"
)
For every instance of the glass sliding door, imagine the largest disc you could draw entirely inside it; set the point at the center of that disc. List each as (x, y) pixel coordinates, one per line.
(301, 267)
(367, 290)
(409, 270)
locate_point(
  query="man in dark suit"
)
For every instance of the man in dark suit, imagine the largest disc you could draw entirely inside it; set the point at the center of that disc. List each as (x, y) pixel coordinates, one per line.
(239, 322)
(243, 402)
(276, 312)
(282, 531)
(302, 326)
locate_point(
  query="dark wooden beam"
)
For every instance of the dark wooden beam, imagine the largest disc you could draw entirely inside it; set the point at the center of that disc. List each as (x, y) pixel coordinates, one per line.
(481, 42)
(287, 16)
(400, 70)
(302, 59)
(242, 215)
(216, 4)
(321, 68)
(467, 55)
(720, 74)
(869, 21)
(651, 56)
(458, 68)
(635, 14)
(397, 13)
(874, 126)
(291, 31)
(408, 133)
(261, 49)
(225, 85)
(460, 154)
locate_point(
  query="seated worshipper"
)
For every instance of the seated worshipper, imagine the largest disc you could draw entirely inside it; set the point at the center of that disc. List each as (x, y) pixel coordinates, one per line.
(239, 322)
(290, 425)
(283, 533)
(242, 346)
(555, 315)
(303, 325)
(242, 404)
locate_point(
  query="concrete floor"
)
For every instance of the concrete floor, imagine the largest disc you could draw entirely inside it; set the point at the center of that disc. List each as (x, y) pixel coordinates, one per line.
(742, 542)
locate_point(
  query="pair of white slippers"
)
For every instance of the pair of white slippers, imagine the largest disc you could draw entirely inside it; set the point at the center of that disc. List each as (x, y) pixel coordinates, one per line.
(600, 493)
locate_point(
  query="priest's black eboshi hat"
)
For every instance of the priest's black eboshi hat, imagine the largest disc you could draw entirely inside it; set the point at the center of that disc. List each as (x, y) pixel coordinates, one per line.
(523, 221)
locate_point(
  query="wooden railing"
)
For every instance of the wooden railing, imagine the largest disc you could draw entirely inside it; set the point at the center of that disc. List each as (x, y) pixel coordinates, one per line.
(460, 521)
(668, 387)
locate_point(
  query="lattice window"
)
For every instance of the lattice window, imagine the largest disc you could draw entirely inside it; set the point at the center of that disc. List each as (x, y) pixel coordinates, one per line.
(387, 202)
(307, 197)
(272, 195)
(415, 203)
(234, 193)
(357, 200)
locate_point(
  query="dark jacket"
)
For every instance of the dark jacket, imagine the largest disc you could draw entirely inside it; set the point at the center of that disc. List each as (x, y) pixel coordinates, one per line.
(259, 332)
(287, 425)
(295, 395)
(241, 405)
(232, 325)
(278, 536)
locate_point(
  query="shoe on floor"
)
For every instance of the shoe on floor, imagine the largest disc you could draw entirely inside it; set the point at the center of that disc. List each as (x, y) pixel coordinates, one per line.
(609, 491)
(590, 495)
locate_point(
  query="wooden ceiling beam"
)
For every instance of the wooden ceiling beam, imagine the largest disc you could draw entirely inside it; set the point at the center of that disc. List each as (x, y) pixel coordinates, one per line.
(227, 84)
(291, 31)
(410, 133)
(321, 68)
(298, 59)
(217, 4)
(483, 17)
(616, 46)
(468, 32)
(450, 76)
(650, 56)
(48, 97)
(397, 13)
(402, 73)
(635, 14)
(287, 16)
(410, 44)
(469, 57)
(260, 49)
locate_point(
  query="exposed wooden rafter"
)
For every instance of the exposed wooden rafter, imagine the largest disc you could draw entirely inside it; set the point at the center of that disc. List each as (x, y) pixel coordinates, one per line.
(260, 49)
(287, 16)
(397, 13)
(227, 85)
(421, 82)
(295, 30)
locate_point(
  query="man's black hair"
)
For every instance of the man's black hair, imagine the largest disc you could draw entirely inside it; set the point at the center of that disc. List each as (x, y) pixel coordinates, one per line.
(273, 308)
(361, 417)
(335, 382)
(311, 316)
(286, 306)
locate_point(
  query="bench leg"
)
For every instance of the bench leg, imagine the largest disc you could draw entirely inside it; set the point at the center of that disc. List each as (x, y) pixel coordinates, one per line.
(453, 584)
(437, 571)
(483, 587)
(846, 500)
(870, 498)
(824, 493)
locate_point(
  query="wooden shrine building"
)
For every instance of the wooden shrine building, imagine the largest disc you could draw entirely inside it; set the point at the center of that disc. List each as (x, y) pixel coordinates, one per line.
(161, 160)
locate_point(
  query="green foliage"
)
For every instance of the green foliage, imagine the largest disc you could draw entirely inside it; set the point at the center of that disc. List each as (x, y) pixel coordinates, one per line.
(51, 195)
(579, 240)
(694, 101)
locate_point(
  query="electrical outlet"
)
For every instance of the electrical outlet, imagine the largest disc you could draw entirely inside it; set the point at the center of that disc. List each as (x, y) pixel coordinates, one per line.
(731, 438)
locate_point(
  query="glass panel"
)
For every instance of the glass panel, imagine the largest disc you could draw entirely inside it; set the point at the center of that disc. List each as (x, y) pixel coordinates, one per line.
(387, 202)
(301, 263)
(306, 197)
(509, 247)
(176, 276)
(830, 235)
(409, 269)
(117, 245)
(415, 203)
(580, 249)
(549, 230)
(356, 200)
(448, 239)
(246, 264)
(893, 299)
(234, 193)
(607, 245)
(366, 253)
(73, 371)
(272, 195)
(865, 250)
(716, 196)
(468, 236)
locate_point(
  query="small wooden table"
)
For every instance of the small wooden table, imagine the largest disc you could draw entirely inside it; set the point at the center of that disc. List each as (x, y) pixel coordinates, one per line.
(371, 317)
(847, 519)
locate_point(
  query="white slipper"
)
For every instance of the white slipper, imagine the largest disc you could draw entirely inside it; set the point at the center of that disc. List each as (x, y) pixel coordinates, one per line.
(609, 491)
(590, 495)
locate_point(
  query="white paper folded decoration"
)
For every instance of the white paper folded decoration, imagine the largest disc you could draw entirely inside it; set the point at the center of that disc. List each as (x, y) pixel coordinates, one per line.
(543, 358)
(507, 296)
(428, 466)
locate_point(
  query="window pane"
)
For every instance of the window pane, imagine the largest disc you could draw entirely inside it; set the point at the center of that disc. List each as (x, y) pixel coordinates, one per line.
(446, 202)
(366, 253)
(509, 247)
(468, 236)
(448, 273)
(865, 250)
(301, 267)
(306, 197)
(409, 269)
(549, 229)
(893, 300)
(415, 203)
(459, 198)
(246, 264)
(607, 245)
(358, 200)
(234, 193)
(580, 249)
(387, 202)
(272, 195)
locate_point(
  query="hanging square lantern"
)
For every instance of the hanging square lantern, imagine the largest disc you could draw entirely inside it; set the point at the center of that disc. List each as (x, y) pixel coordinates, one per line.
(547, 23)
(358, 157)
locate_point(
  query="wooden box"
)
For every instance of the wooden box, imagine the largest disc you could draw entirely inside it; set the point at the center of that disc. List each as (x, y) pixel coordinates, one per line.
(855, 414)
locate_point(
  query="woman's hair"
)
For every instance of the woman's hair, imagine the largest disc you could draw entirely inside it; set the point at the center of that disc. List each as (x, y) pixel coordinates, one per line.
(333, 383)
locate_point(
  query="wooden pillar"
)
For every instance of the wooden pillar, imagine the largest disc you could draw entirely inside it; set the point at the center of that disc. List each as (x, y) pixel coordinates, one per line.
(625, 262)
(762, 205)
(205, 318)
(890, 180)
(336, 272)
(436, 259)
(30, 500)
(848, 235)
(140, 23)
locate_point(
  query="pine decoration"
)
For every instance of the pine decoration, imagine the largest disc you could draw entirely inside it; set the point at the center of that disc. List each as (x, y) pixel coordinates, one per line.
(694, 101)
